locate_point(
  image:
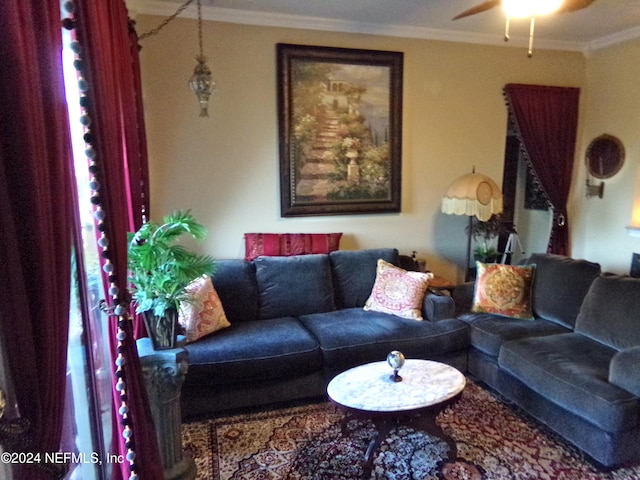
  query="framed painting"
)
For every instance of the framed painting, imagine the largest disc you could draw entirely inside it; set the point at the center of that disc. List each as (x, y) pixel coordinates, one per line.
(340, 130)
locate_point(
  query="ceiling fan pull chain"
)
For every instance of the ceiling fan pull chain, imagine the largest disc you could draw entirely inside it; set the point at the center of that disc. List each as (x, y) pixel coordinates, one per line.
(506, 29)
(531, 28)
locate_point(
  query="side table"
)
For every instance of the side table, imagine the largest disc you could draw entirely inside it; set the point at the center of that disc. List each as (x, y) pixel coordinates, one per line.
(440, 285)
(163, 372)
(426, 388)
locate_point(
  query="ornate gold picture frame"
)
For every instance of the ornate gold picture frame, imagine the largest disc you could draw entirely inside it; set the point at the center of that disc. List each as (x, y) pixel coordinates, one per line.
(340, 132)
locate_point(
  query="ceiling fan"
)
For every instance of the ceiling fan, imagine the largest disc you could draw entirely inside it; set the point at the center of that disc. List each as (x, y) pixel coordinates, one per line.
(526, 8)
(567, 6)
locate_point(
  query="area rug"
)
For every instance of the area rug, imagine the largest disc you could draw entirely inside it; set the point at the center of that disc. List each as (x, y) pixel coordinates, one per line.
(495, 442)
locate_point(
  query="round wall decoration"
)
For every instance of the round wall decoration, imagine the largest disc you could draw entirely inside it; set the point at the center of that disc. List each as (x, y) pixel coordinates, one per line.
(605, 156)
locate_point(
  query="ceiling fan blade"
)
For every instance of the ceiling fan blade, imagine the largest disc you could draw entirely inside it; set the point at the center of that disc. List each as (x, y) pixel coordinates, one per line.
(573, 5)
(482, 7)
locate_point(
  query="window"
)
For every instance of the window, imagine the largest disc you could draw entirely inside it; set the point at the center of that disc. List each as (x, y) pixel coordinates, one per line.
(88, 423)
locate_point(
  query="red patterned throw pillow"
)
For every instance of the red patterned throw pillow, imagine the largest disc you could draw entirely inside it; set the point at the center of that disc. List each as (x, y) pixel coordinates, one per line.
(398, 291)
(287, 244)
(504, 290)
(204, 314)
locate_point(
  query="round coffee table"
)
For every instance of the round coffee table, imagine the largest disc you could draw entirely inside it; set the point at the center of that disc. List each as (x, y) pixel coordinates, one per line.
(426, 388)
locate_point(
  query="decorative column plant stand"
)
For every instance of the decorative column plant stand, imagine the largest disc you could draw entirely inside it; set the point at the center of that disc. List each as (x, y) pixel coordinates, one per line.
(164, 372)
(160, 271)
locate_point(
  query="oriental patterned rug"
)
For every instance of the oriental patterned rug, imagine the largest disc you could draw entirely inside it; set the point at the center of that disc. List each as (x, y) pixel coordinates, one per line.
(495, 442)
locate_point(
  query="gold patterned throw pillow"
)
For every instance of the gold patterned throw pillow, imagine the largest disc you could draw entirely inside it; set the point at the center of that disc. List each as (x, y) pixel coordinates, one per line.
(397, 291)
(204, 314)
(504, 290)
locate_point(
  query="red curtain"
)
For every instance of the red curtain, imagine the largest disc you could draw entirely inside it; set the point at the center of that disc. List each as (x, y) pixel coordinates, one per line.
(37, 217)
(135, 139)
(546, 123)
(137, 159)
(115, 107)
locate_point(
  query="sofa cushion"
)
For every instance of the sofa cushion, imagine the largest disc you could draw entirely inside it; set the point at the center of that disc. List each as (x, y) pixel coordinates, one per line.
(437, 307)
(397, 291)
(353, 336)
(610, 312)
(560, 285)
(252, 351)
(354, 273)
(571, 370)
(624, 371)
(235, 283)
(296, 285)
(503, 290)
(488, 332)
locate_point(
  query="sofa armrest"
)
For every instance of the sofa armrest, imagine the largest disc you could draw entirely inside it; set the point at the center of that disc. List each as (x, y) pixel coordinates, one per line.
(623, 370)
(463, 297)
(437, 307)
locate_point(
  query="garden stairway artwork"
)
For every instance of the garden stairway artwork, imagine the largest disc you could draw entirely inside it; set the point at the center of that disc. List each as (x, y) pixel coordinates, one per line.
(315, 177)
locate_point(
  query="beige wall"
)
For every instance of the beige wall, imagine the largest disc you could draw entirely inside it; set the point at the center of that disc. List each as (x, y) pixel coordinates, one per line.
(225, 168)
(610, 104)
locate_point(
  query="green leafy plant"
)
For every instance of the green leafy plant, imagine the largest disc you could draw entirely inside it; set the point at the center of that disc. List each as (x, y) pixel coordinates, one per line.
(485, 254)
(159, 268)
(484, 234)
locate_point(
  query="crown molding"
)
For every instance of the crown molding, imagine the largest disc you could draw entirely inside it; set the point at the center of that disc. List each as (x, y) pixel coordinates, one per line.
(613, 39)
(284, 20)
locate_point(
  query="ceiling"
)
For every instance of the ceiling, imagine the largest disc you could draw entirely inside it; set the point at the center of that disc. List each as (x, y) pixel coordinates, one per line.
(604, 23)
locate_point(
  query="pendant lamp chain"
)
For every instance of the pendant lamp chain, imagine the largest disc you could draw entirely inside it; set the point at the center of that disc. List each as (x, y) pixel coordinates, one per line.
(200, 82)
(200, 28)
(166, 21)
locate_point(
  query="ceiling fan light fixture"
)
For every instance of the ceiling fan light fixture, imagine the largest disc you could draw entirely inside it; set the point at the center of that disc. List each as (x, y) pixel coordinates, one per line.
(530, 8)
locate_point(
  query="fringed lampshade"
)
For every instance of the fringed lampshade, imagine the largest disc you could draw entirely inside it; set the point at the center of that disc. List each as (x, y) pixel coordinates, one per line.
(473, 194)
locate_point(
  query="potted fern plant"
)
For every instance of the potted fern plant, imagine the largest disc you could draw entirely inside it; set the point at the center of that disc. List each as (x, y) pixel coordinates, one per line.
(485, 234)
(160, 269)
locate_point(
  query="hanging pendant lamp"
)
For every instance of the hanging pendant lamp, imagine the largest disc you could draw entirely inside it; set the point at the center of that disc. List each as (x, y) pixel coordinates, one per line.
(201, 82)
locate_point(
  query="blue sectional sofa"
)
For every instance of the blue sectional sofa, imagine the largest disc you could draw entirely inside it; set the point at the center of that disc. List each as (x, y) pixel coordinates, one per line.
(297, 321)
(576, 366)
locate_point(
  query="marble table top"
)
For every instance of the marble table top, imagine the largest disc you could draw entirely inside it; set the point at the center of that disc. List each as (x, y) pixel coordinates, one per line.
(370, 388)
